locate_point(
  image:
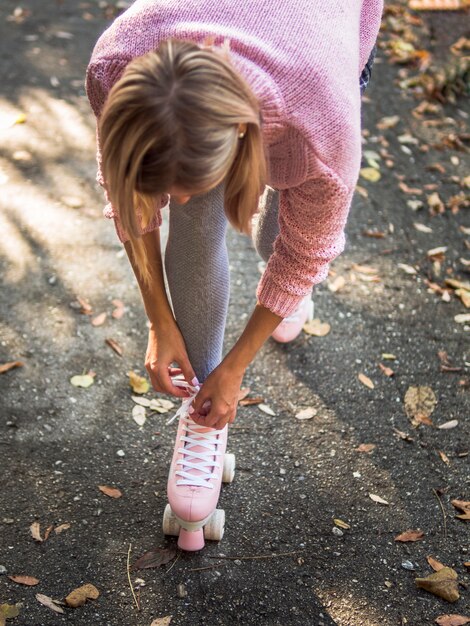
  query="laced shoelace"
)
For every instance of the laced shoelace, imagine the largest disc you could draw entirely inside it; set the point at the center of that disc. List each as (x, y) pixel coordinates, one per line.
(192, 437)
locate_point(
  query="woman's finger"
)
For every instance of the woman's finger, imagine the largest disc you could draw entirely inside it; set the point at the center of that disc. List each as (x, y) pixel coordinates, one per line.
(167, 385)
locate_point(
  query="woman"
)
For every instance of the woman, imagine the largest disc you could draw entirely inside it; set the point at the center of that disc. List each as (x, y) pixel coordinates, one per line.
(208, 102)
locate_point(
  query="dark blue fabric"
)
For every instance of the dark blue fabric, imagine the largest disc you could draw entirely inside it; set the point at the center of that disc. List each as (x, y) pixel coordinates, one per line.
(367, 71)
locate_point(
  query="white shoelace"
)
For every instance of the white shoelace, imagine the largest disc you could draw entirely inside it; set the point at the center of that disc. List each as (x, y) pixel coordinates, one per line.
(191, 438)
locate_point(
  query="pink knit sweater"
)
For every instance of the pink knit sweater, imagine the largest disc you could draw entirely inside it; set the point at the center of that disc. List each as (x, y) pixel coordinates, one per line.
(303, 59)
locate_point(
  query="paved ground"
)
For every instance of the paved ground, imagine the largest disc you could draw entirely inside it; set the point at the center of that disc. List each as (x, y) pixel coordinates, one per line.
(58, 443)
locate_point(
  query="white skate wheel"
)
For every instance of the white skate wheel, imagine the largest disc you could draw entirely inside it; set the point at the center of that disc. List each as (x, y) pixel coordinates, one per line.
(170, 523)
(214, 529)
(229, 468)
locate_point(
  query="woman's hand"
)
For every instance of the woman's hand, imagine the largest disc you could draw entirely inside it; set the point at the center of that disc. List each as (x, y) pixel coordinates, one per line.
(216, 403)
(166, 346)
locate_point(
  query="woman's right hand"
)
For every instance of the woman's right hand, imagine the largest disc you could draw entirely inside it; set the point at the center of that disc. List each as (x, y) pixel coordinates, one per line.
(164, 348)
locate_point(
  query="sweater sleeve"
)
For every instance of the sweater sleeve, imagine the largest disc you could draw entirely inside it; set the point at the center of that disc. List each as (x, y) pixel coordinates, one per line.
(100, 77)
(312, 218)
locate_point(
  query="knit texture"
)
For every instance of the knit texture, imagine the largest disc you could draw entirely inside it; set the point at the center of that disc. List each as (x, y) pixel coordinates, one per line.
(303, 59)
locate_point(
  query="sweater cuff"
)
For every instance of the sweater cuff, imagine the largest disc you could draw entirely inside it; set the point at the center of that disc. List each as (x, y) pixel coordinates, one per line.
(274, 298)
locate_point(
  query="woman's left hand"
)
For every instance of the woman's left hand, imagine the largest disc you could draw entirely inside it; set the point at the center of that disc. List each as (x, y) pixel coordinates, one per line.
(220, 391)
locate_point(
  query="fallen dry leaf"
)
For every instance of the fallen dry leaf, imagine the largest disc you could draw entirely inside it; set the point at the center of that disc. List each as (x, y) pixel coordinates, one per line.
(410, 535)
(422, 228)
(61, 528)
(85, 306)
(420, 402)
(306, 414)
(119, 310)
(35, 529)
(49, 602)
(387, 370)
(114, 345)
(84, 381)
(338, 283)
(250, 401)
(403, 435)
(317, 328)
(154, 558)
(444, 456)
(442, 583)
(112, 492)
(434, 563)
(435, 203)
(437, 5)
(388, 122)
(99, 320)
(266, 409)
(377, 499)
(463, 506)
(365, 269)
(341, 524)
(79, 596)
(30, 581)
(162, 621)
(366, 447)
(5, 367)
(138, 383)
(370, 174)
(365, 380)
(462, 318)
(48, 531)
(408, 269)
(139, 415)
(8, 611)
(452, 620)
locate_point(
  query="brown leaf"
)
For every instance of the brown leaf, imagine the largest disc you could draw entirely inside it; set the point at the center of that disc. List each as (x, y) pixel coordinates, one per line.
(35, 529)
(162, 621)
(374, 234)
(49, 602)
(114, 345)
(48, 532)
(338, 283)
(365, 380)
(444, 456)
(250, 401)
(366, 447)
(386, 370)
(5, 367)
(86, 307)
(436, 565)
(365, 269)
(377, 499)
(442, 583)
(112, 492)
(410, 535)
(452, 620)
(99, 320)
(420, 402)
(119, 310)
(79, 596)
(402, 435)
(415, 191)
(463, 505)
(24, 580)
(154, 558)
(437, 5)
(317, 328)
(61, 528)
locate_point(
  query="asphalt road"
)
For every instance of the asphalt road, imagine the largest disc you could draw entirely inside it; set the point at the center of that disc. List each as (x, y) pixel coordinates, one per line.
(282, 560)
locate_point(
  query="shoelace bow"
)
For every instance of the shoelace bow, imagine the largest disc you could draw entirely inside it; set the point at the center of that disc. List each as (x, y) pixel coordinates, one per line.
(192, 437)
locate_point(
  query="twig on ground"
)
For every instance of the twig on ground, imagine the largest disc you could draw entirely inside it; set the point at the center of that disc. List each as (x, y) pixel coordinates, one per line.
(129, 577)
(443, 512)
(259, 556)
(201, 569)
(173, 564)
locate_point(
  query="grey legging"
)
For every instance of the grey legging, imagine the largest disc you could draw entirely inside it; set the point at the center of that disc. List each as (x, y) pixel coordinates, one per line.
(196, 265)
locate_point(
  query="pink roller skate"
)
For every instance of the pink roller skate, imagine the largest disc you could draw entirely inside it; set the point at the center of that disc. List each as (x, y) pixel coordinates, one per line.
(198, 468)
(291, 326)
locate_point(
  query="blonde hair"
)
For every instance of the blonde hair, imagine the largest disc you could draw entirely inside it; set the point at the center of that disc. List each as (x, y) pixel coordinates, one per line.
(173, 119)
